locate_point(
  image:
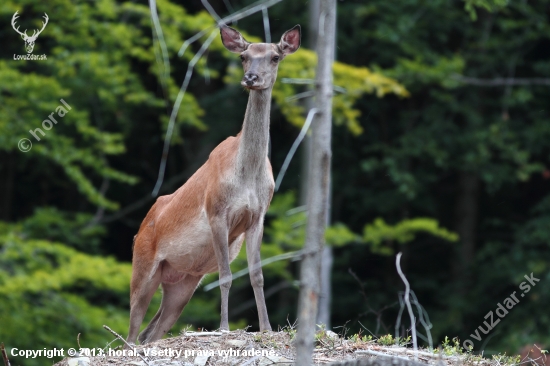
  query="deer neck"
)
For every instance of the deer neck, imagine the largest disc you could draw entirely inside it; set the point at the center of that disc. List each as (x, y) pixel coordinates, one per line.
(255, 133)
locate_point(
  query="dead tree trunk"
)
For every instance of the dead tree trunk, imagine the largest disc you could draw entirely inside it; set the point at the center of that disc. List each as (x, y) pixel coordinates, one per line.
(318, 187)
(323, 313)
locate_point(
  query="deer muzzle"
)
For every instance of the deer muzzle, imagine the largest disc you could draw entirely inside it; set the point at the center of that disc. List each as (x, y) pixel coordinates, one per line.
(250, 80)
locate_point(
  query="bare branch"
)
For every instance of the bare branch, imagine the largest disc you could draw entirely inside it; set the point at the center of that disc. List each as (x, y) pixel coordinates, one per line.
(336, 88)
(4, 355)
(157, 32)
(268, 293)
(127, 344)
(211, 10)
(267, 31)
(251, 9)
(202, 334)
(496, 82)
(201, 156)
(294, 147)
(246, 270)
(407, 301)
(176, 108)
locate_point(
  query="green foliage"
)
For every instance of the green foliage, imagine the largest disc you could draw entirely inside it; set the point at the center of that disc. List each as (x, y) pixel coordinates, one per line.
(386, 340)
(357, 338)
(49, 223)
(450, 347)
(397, 159)
(389, 340)
(90, 67)
(489, 5)
(405, 231)
(51, 293)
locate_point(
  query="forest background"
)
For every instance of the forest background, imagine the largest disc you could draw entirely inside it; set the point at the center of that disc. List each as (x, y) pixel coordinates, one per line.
(441, 150)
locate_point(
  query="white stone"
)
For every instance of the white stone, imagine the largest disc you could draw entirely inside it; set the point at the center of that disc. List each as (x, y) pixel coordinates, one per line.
(236, 343)
(79, 361)
(279, 360)
(201, 360)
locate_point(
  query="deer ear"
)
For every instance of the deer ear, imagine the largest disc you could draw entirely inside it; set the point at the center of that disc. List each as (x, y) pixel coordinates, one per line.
(290, 41)
(233, 40)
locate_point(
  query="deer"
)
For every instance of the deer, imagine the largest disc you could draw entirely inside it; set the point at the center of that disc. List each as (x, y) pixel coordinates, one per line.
(200, 228)
(29, 40)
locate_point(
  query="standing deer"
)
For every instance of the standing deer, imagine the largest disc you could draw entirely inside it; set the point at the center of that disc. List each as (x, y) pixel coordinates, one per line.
(29, 40)
(200, 228)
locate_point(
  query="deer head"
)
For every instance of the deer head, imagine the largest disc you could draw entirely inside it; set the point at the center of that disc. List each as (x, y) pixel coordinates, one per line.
(29, 40)
(260, 60)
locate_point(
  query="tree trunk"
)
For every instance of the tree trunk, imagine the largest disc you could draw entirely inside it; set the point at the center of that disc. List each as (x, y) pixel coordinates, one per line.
(318, 187)
(323, 315)
(309, 102)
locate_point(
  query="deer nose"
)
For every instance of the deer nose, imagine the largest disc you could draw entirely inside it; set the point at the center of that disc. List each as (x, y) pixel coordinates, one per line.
(250, 78)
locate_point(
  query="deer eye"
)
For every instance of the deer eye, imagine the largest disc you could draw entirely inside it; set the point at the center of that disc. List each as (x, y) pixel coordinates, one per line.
(242, 58)
(275, 59)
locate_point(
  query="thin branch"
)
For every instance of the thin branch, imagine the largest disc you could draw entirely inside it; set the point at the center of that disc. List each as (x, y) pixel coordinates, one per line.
(228, 6)
(424, 319)
(201, 156)
(211, 11)
(336, 88)
(381, 354)
(294, 147)
(378, 313)
(268, 293)
(246, 11)
(127, 344)
(267, 31)
(157, 31)
(202, 334)
(500, 81)
(4, 355)
(267, 261)
(176, 108)
(307, 94)
(407, 301)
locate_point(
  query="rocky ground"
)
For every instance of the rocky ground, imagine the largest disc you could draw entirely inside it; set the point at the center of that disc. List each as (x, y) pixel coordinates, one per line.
(275, 348)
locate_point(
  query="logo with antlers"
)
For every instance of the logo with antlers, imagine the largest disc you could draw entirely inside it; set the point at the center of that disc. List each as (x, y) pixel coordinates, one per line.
(29, 40)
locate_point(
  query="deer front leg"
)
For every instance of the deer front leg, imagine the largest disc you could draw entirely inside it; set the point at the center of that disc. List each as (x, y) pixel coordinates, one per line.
(221, 250)
(253, 241)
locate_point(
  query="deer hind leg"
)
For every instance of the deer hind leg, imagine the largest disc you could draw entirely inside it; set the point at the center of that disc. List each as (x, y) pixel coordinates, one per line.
(175, 297)
(146, 278)
(253, 242)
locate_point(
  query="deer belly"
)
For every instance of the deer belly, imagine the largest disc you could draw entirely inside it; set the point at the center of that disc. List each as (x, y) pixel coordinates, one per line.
(192, 250)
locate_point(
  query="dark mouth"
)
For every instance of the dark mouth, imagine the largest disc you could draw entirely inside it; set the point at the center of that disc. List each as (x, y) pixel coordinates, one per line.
(250, 85)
